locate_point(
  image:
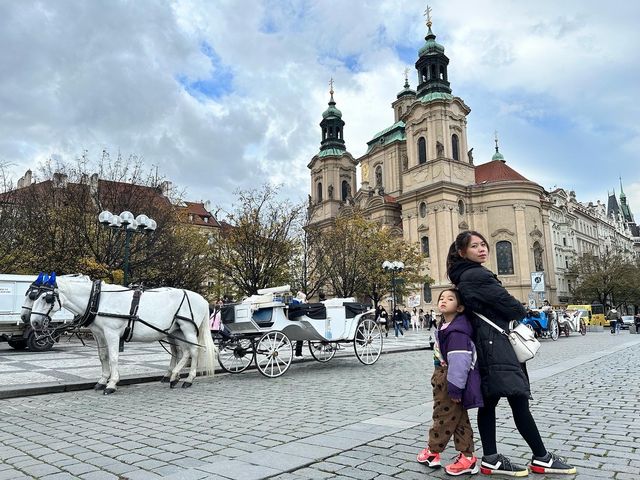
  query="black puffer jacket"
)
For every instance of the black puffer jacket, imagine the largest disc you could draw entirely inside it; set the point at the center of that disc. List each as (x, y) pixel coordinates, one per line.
(481, 291)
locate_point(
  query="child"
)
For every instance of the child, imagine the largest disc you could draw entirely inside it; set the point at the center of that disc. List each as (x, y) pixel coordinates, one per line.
(456, 388)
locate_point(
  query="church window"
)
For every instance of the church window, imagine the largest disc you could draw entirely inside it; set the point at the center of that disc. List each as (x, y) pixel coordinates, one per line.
(331, 131)
(379, 176)
(345, 190)
(455, 147)
(422, 151)
(504, 256)
(426, 293)
(460, 207)
(423, 209)
(319, 191)
(432, 72)
(441, 77)
(338, 132)
(424, 246)
(537, 257)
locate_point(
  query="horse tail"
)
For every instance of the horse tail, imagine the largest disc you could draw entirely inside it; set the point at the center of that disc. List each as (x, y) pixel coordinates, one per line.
(207, 356)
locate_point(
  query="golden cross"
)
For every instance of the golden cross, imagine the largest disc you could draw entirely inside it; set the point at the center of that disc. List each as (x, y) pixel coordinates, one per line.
(427, 13)
(331, 86)
(406, 73)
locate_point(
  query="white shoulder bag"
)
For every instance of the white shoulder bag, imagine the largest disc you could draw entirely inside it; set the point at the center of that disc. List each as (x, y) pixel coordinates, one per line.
(522, 339)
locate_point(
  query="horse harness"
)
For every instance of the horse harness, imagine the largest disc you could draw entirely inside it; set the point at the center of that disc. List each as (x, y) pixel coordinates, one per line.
(92, 311)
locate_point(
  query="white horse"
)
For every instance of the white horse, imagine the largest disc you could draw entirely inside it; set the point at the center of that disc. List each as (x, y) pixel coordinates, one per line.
(181, 315)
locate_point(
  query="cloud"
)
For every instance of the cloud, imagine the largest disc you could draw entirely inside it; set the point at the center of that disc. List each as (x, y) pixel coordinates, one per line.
(225, 95)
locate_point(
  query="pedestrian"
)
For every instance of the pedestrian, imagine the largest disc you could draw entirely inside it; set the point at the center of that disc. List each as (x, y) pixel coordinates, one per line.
(382, 317)
(502, 376)
(433, 319)
(456, 388)
(636, 322)
(406, 320)
(397, 321)
(613, 317)
(421, 317)
(414, 319)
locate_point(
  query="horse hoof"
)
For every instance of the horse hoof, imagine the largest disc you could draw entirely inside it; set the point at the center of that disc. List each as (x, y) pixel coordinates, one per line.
(109, 391)
(186, 384)
(100, 386)
(165, 379)
(173, 383)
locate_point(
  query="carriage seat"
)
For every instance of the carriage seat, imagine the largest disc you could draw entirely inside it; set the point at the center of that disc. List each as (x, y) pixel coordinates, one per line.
(263, 317)
(351, 309)
(317, 311)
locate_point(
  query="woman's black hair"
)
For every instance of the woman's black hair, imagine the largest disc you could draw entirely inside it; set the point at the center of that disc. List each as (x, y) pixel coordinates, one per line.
(461, 243)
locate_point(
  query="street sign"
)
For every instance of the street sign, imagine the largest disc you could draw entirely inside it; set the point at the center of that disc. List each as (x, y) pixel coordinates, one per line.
(537, 281)
(413, 301)
(532, 303)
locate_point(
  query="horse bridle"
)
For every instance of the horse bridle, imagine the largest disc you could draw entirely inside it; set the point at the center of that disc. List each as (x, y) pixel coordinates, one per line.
(51, 296)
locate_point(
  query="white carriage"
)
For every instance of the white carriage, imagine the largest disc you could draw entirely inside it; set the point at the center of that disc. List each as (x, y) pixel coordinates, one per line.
(263, 328)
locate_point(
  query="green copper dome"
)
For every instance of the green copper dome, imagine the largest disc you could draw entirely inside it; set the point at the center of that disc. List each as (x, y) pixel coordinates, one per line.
(497, 156)
(430, 45)
(332, 111)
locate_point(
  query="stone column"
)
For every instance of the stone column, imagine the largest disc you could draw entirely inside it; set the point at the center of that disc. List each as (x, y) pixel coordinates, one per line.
(523, 244)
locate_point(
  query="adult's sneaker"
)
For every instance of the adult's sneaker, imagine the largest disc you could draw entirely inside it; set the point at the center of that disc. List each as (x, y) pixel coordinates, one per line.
(462, 465)
(498, 464)
(429, 458)
(551, 463)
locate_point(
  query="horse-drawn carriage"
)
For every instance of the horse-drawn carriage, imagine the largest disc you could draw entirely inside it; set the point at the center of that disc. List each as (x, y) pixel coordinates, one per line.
(543, 322)
(573, 321)
(262, 328)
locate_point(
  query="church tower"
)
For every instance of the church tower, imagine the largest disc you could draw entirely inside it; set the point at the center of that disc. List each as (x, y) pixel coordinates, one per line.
(333, 169)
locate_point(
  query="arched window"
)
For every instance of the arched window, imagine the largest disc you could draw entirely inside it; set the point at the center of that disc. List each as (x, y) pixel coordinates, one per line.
(423, 209)
(537, 257)
(504, 257)
(426, 293)
(422, 151)
(424, 246)
(455, 147)
(379, 176)
(319, 191)
(460, 207)
(345, 190)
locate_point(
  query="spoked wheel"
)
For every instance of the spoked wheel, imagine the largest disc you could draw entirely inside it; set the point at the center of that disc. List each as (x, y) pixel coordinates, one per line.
(566, 330)
(583, 328)
(235, 356)
(274, 353)
(322, 351)
(368, 341)
(554, 330)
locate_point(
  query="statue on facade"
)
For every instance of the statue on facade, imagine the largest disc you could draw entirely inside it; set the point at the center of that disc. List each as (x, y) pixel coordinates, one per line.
(439, 149)
(470, 155)
(379, 177)
(330, 189)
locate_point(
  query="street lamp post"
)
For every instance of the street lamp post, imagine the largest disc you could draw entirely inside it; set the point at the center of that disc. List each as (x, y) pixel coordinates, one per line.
(125, 221)
(393, 267)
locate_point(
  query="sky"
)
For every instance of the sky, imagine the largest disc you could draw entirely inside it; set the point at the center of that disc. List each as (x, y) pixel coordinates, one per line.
(223, 95)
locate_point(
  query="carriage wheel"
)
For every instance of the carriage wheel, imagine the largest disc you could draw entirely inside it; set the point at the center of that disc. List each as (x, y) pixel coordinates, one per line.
(368, 341)
(235, 356)
(274, 353)
(583, 328)
(322, 351)
(566, 330)
(554, 330)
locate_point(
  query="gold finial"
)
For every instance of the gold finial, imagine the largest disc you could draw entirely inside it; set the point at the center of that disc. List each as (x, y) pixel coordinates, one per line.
(495, 133)
(406, 74)
(331, 88)
(427, 13)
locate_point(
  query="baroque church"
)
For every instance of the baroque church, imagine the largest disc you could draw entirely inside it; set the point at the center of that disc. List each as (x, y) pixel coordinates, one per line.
(418, 178)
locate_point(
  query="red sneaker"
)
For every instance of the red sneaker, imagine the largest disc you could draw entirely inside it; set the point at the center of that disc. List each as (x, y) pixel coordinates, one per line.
(429, 458)
(462, 465)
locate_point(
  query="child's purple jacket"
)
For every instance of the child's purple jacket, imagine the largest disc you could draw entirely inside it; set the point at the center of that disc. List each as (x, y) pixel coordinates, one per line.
(458, 350)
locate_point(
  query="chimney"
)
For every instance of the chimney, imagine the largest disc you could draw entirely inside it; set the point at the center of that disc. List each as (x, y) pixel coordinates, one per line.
(165, 187)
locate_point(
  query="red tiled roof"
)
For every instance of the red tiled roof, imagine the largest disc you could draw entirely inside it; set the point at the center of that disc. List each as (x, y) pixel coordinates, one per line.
(200, 213)
(497, 171)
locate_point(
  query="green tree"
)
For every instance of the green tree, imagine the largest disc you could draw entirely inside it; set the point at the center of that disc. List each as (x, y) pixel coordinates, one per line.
(256, 247)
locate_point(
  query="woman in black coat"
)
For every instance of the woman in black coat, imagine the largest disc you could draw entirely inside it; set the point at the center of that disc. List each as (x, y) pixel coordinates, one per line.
(501, 373)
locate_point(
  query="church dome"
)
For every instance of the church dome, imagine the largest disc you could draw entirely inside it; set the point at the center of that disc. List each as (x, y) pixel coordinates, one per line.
(498, 156)
(430, 45)
(332, 111)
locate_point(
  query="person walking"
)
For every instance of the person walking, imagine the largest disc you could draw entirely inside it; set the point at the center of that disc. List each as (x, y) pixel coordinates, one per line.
(613, 316)
(421, 318)
(382, 317)
(501, 374)
(397, 321)
(456, 388)
(414, 319)
(433, 319)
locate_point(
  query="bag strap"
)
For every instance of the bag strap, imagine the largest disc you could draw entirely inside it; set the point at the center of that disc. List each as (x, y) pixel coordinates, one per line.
(501, 330)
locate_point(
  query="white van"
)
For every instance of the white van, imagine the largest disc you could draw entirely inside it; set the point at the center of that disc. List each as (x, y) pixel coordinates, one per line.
(12, 329)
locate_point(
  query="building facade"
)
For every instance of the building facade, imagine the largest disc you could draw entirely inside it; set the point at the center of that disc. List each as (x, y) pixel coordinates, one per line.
(418, 179)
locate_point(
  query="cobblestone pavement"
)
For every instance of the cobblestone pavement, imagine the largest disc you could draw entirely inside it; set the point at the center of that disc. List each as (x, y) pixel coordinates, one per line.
(72, 365)
(335, 420)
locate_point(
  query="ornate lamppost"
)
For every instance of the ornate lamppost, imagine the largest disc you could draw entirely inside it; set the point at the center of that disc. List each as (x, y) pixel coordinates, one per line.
(393, 267)
(125, 221)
